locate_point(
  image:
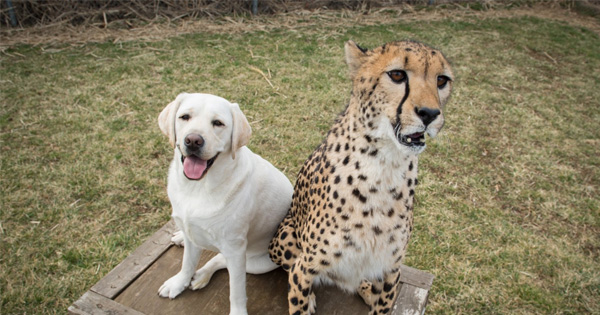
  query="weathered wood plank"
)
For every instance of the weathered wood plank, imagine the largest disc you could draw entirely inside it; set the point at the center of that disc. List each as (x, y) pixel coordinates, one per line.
(134, 265)
(92, 303)
(416, 277)
(412, 300)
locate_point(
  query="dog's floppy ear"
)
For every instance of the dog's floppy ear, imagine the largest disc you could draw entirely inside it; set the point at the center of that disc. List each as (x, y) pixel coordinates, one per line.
(355, 57)
(166, 119)
(240, 136)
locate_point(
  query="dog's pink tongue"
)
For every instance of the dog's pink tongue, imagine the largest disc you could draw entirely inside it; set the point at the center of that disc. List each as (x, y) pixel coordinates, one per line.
(194, 167)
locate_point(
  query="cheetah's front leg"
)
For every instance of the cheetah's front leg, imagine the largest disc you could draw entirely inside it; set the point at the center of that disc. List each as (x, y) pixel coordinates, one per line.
(370, 292)
(380, 298)
(301, 299)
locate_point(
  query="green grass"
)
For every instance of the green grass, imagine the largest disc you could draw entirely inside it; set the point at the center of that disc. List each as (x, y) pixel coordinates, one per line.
(507, 214)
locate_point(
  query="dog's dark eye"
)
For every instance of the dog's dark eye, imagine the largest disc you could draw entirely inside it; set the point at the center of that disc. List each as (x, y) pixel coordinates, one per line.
(442, 81)
(398, 76)
(217, 123)
(185, 117)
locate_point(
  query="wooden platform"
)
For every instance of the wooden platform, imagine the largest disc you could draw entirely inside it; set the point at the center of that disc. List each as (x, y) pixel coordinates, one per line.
(131, 288)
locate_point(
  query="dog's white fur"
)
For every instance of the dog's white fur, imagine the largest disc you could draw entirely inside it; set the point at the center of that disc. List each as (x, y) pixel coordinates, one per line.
(234, 209)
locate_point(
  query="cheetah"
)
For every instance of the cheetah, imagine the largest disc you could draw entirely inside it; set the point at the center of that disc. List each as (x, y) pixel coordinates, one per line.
(351, 215)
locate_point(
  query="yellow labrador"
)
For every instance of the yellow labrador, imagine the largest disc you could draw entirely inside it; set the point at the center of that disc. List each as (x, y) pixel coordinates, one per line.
(225, 198)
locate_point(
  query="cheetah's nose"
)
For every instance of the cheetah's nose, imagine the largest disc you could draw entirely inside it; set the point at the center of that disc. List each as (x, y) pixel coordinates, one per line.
(427, 114)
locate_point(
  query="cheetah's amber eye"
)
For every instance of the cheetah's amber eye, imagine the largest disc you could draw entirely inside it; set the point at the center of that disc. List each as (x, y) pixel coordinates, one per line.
(442, 81)
(398, 76)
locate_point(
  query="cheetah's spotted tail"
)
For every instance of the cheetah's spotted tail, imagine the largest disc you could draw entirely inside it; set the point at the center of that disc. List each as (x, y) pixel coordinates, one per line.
(284, 249)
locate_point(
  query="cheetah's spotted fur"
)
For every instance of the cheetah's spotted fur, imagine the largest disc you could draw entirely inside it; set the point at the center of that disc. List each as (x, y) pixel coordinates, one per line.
(351, 215)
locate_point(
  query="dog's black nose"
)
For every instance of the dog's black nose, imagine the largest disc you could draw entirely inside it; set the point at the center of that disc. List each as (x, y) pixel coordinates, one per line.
(427, 114)
(194, 142)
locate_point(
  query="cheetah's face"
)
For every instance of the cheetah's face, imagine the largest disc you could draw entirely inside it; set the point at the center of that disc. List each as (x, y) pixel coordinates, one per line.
(402, 88)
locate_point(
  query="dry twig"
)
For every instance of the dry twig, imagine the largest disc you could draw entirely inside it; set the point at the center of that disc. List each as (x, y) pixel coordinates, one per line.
(255, 69)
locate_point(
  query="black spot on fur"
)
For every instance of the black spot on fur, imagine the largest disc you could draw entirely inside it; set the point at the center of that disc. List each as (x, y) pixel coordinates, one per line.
(387, 287)
(397, 196)
(377, 230)
(356, 193)
(374, 290)
(306, 291)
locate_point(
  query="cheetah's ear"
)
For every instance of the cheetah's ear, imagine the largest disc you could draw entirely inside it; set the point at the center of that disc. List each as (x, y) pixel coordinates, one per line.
(355, 57)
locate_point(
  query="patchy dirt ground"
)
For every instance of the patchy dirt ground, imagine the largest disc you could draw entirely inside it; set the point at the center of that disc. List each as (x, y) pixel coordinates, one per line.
(121, 32)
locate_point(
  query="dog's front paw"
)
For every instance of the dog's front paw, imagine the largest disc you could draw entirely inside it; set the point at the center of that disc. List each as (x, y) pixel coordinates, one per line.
(177, 238)
(201, 279)
(173, 287)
